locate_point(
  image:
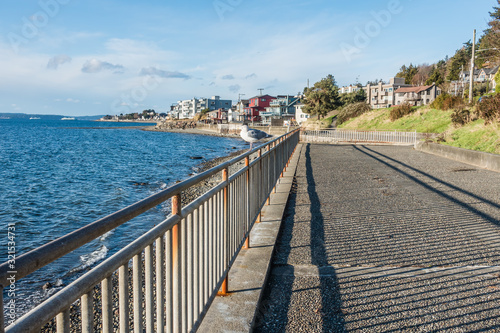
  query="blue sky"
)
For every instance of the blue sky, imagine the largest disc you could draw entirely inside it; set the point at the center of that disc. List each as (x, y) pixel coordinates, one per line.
(88, 57)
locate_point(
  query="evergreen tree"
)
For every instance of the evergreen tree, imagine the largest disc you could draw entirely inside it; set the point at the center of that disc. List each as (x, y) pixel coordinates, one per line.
(322, 98)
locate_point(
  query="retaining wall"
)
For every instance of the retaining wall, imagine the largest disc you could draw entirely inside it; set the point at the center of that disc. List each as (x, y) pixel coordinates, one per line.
(477, 158)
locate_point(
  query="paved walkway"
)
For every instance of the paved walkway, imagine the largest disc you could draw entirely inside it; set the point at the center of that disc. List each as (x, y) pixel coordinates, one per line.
(386, 239)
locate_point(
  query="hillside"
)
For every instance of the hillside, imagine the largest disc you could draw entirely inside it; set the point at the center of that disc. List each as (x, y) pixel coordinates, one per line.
(475, 135)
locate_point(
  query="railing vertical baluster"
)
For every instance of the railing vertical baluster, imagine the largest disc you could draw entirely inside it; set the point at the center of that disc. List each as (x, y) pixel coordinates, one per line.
(87, 312)
(211, 251)
(148, 281)
(247, 219)
(189, 269)
(63, 322)
(184, 275)
(160, 298)
(206, 253)
(107, 304)
(176, 266)
(196, 263)
(168, 282)
(123, 298)
(137, 286)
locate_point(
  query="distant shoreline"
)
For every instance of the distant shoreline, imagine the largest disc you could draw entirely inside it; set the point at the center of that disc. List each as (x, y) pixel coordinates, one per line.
(189, 131)
(129, 121)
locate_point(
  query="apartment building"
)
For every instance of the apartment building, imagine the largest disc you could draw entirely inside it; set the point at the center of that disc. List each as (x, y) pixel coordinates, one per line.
(383, 95)
(189, 108)
(417, 96)
(281, 107)
(349, 89)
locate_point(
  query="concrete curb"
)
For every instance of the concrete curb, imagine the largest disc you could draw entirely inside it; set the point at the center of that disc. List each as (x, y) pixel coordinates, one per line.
(248, 276)
(476, 158)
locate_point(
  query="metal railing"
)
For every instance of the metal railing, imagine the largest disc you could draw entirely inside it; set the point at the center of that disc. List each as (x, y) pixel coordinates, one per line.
(357, 136)
(166, 279)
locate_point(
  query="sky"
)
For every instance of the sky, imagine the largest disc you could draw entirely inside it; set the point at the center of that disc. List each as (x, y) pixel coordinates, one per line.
(97, 57)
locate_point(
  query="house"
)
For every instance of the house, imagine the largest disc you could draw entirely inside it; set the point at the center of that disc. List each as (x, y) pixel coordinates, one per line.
(237, 112)
(349, 89)
(218, 116)
(283, 107)
(300, 115)
(417, 96)
(256, 105)
(383, 95)
(189, 108)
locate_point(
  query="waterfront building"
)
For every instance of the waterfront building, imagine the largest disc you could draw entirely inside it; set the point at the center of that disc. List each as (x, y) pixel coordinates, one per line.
(300, 115)
(283, 107)
(417, 96)
(383, 95)
(189, 108)
(256, 105)
(349, 89)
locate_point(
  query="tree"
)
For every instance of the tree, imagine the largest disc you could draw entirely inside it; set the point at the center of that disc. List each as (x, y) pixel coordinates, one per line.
(437, 74)
(407, 73)
(492, 35)
(460, 60)
(353, 97)
(322, 98)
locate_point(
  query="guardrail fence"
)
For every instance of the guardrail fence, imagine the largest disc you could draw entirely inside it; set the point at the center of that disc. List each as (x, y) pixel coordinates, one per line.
(166, 279)
(357, 136)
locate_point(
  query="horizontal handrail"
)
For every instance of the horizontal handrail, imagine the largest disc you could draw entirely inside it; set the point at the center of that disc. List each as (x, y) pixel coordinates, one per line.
(195, 248)
(33, 260)
(359, 136)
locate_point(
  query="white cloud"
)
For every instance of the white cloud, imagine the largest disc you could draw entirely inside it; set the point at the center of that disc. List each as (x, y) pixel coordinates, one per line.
(96, 66)
(164, 74)
(54, 62)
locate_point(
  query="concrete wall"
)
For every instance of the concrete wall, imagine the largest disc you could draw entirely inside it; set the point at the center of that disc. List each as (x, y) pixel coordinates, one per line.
(477, 158)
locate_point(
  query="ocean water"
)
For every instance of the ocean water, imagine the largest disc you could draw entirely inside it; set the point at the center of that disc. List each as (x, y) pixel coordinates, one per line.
(57, 176)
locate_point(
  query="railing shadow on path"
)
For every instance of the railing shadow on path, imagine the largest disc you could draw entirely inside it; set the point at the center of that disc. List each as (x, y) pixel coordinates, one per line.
(274, 309)
(371, 153)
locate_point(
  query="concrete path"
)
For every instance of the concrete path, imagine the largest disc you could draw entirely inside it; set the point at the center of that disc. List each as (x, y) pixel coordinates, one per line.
(386, 239)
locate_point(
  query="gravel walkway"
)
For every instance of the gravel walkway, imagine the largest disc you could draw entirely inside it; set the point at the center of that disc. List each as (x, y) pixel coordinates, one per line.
(386, 239)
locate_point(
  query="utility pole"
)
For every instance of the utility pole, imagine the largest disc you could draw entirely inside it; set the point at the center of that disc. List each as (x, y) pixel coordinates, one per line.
(239, 97)
(471, 76)
(260, 89)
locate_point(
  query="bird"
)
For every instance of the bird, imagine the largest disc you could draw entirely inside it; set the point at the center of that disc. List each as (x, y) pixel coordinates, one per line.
(252, 135)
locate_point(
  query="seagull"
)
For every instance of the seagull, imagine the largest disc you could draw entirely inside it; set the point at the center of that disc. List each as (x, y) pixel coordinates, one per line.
(252, 135)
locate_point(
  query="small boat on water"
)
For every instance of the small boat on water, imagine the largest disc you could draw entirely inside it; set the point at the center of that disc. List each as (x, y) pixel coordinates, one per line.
(68, 118)
(34, 118)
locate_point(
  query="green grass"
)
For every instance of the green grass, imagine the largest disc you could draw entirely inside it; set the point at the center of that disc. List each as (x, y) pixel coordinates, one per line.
(421, 120)
(474, 136)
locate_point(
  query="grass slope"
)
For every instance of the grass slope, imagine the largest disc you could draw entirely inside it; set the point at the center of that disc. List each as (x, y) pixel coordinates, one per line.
(475, 136)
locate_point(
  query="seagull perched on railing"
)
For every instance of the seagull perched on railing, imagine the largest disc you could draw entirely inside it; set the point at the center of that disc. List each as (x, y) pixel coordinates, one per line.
(252, 135)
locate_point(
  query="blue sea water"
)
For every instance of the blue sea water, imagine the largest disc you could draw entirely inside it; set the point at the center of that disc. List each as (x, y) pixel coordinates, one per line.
(57, 176)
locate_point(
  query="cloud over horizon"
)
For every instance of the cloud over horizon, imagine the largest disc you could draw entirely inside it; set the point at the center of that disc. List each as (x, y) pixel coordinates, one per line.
(228, 77)
(96, 66)
(164, 74)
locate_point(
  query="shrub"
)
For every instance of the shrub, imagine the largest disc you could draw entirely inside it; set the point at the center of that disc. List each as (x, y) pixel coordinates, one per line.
(400, 111)
(447, 102)
(489, 108)
(352, 111)
(461, 116)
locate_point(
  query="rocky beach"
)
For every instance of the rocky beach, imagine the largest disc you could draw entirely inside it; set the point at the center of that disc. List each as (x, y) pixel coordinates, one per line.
(187, 197)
